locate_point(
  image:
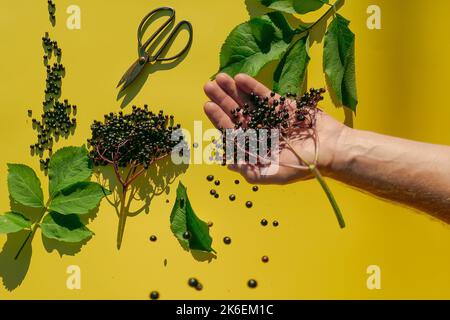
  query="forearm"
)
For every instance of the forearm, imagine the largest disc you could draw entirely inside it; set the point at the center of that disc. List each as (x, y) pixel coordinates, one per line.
(412, 173)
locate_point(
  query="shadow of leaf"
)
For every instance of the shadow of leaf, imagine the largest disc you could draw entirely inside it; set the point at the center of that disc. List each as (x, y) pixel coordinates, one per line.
(63, 248)
(14, 271)
(202, 256)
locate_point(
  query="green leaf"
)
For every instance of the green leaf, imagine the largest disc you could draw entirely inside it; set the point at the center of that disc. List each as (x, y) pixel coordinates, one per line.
(252, 45)
(290, 74)
(12, 222)
(294, 6)
(65, 228)
(183, 218)
(24, 186)
(68, 166)
(339, 61)
(79, 198)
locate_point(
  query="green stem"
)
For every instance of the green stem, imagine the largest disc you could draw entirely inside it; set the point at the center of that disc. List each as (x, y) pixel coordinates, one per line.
(329, 194)
(334, 7)
(30, 235)
(323, 184)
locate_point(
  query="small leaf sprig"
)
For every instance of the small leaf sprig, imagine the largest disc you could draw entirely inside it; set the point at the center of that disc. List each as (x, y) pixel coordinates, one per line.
(294, 118)
(250, 46)
(190, 230)
(131, 143)
(71, 195)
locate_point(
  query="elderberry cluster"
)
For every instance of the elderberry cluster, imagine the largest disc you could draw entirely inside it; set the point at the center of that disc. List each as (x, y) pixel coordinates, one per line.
(138, 138)
(56, 120)
(272, 112)
(52, 11)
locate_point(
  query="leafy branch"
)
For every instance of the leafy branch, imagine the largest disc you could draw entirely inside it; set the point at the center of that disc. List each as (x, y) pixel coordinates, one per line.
(71, 195)
(250, 46)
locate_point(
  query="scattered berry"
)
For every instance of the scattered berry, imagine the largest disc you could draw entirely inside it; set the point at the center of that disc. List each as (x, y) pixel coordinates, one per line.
(192, 282)
(275, 223)
(252, 283)
(249, 204)
(227, 240)
(255, 188)
(232, 197)
(154, 295)
(210, 177)
(264, 222)
(265, 259)
(187, 235)
(153, 238)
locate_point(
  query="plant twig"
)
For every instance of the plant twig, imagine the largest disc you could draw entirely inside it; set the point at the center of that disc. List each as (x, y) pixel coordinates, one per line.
(323, 184)
(32, 231)
(333, 8)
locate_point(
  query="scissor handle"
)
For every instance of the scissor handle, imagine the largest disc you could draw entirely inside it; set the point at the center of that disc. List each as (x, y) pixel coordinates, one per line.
(170, 38)
(160, 29)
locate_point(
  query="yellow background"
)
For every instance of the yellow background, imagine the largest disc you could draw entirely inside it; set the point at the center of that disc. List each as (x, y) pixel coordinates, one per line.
(402, 81)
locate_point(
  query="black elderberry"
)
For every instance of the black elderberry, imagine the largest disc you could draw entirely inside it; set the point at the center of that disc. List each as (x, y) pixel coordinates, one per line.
(232, 197)
(186, 235)
(153, 238)
(216, 196)
(154, 295)
(210, 177)
(265, 259)
(236, 181)
(264, 222)
(249, 204)
(255, 188)
(212, 192)
(252, 283)
(217, 182)
(192, 282)
(227, 240)
(275, 223)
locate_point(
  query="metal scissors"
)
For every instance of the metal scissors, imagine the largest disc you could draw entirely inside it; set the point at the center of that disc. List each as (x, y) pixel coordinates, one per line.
(147, 57)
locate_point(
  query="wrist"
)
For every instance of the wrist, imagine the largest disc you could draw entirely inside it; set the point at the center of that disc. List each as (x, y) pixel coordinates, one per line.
(341, 153)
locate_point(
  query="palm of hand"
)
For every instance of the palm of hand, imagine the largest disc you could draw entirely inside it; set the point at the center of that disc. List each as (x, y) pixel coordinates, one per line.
(227, 93)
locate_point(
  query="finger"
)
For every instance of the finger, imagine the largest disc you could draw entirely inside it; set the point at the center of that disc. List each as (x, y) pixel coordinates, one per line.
(248, 85)
(217, 116)
(229, 86)
(218, 96)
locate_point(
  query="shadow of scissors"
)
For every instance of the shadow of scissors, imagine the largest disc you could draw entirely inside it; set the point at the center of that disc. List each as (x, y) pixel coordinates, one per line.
(145, 52)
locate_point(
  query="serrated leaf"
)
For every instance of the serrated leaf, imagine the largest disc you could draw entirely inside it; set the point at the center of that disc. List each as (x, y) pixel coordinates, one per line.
(79, 198)
(12, 222)
(294, 6)
(183, 218)
(290, 74)
(252, 45)
(339, 61)
(65, 228)
(68, 166)
(24, 186)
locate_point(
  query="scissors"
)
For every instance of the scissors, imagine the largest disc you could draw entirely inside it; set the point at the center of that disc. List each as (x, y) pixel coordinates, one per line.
(147, 57)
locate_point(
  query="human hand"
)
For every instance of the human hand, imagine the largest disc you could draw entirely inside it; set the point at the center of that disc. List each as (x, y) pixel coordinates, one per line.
(227, 93)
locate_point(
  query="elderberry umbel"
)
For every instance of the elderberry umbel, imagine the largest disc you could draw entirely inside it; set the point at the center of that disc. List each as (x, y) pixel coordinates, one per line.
(136, 139)
(288, 114)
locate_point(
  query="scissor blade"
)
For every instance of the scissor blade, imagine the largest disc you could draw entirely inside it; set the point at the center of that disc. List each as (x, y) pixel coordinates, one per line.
(131, 74)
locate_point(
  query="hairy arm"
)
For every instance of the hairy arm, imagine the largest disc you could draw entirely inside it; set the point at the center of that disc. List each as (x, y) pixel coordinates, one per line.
(412, 173)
